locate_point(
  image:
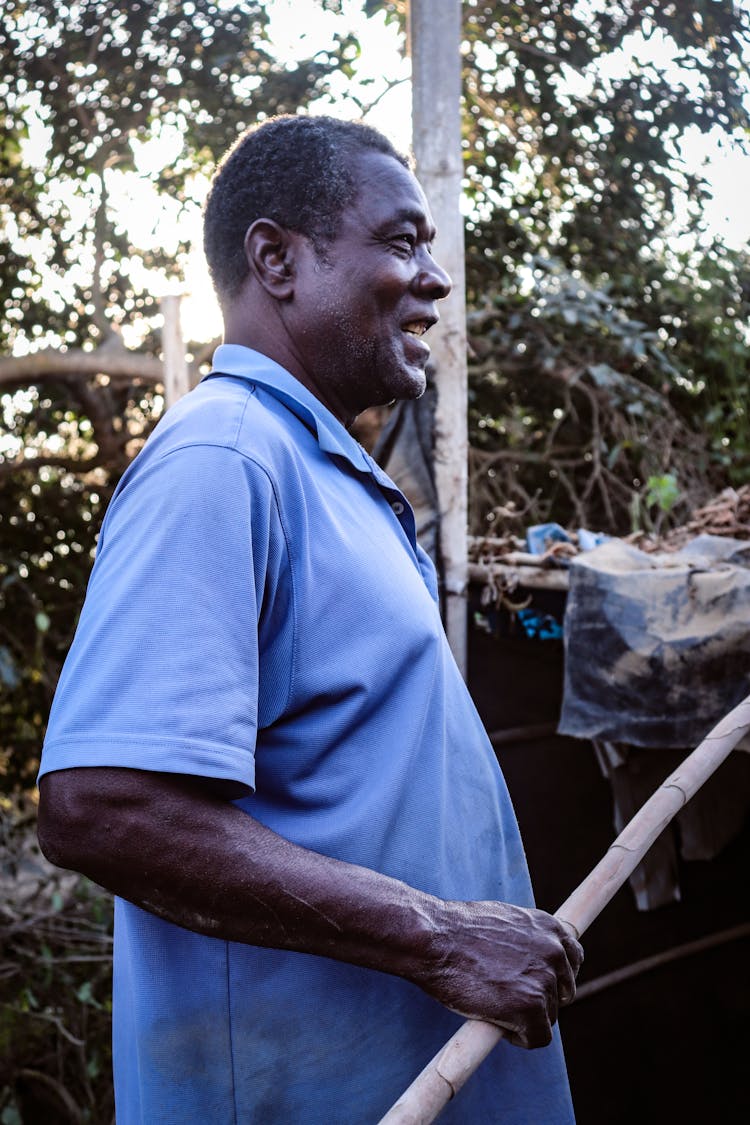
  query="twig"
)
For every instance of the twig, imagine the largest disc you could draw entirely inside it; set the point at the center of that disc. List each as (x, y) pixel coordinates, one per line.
(666, 957)
(80, 959)
(512, 576)
(53, 1020)
(71, 1108)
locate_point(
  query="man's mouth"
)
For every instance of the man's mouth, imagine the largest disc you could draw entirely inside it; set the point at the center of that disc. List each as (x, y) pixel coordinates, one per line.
(415, 327)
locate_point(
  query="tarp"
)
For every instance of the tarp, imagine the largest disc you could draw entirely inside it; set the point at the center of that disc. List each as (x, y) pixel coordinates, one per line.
(657, 647)
(405, 450)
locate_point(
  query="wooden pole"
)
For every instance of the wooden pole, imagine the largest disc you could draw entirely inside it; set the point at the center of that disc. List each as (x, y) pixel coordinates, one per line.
(444, 1076)
(435, 37)
(176, 374)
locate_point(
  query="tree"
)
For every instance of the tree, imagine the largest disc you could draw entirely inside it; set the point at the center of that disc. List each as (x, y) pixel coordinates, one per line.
(573, 233)
(590, 370)
(86, 85)
(572, 143)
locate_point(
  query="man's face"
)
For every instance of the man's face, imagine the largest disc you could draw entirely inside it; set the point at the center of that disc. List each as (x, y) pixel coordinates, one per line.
(358, 315)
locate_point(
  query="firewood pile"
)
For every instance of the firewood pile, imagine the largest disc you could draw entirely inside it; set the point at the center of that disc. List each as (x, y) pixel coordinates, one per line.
(728, 514)
(501, 564)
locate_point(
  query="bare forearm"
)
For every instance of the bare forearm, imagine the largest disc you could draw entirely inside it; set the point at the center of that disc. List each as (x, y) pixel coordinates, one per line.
(201, 863)
(169, 845)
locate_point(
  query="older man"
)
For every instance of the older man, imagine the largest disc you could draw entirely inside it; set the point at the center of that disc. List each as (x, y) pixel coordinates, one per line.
(260, 742)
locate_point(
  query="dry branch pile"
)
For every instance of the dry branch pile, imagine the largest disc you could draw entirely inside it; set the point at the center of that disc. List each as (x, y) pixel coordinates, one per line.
(728, 514)
(501, 563)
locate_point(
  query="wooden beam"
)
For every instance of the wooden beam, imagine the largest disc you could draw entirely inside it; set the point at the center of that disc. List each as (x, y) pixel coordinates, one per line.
(510, 576)
(435, 37)
(176, 374)
(116, 362)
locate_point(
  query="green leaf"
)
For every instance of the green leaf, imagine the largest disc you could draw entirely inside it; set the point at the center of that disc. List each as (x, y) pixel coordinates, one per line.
(10, 1115)
(663, 491)
(86, 995)
(603, 375)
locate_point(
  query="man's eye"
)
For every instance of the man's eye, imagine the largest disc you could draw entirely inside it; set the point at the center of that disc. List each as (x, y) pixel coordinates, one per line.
(405, 240)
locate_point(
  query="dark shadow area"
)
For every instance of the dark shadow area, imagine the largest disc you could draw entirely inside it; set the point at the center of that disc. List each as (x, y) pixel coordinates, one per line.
(672, 1044)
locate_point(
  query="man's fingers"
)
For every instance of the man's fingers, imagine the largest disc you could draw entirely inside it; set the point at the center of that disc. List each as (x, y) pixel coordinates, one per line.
(533, 1034)
(566, 992)
(518, 970)
(574, 950)
(572, 947)
(529, 1035)
(566, 981)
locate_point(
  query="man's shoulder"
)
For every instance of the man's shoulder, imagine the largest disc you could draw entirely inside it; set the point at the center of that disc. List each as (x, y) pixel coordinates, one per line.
(227, 413)
(211, 414)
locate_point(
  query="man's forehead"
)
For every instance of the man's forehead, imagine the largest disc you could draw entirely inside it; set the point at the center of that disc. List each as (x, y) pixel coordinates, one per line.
(389, 192)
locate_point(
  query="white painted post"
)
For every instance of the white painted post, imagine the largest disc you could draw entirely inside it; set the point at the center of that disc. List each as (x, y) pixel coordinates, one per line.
(435, 37)
(176, 374)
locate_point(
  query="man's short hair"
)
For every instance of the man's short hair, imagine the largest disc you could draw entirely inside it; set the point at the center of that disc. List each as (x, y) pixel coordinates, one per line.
(295, 170)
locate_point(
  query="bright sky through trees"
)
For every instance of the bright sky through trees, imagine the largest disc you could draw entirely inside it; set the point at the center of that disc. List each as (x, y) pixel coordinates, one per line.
(298, 24)
(381, 90)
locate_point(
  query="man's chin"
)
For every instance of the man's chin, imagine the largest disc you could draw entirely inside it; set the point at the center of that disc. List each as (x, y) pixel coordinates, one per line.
(401, 383)
(412, 384)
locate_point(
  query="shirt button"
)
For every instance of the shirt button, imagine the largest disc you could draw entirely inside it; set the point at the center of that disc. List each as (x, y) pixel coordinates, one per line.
(398, 507)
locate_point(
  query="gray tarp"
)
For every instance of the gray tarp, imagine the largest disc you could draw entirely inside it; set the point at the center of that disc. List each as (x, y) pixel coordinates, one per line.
(405, 450)
(657, 647)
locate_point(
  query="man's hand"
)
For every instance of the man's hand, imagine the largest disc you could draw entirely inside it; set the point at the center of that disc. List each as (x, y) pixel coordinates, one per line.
(507, 965)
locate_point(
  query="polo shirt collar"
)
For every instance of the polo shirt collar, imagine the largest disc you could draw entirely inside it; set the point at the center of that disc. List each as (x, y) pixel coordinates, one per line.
(333, 437)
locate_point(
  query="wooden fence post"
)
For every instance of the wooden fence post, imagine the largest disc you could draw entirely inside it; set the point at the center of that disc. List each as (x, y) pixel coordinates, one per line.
(435, 37)
(176, 374)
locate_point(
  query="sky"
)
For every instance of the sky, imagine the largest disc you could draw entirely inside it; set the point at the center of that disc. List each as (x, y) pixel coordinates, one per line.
(297, 29)
(296, 25)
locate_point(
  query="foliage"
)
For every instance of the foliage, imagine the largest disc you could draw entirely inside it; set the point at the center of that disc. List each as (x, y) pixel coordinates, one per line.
(572, 149)
(573, 163)
(49, 521)
(88, 86)
(578, 397)
(100, 79)
(703, 310)
(55, 985)
(587, 251)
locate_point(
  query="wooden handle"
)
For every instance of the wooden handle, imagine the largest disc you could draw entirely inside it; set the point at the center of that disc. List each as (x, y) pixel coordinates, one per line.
(446, 1073)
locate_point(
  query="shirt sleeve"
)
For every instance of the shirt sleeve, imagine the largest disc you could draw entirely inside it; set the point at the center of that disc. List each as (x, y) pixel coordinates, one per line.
(165, 669)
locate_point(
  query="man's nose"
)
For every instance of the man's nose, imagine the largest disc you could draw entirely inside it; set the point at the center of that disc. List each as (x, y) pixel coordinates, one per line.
(432, 280)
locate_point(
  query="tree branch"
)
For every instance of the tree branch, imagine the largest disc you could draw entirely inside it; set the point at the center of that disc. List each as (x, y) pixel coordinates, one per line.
(52, 364)
(69, 464)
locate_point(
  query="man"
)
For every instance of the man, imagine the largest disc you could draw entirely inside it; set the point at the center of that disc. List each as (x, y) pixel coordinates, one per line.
(260, 741)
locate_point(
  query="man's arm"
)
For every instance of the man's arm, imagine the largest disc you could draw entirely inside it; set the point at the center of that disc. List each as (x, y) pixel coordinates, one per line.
(176, 847)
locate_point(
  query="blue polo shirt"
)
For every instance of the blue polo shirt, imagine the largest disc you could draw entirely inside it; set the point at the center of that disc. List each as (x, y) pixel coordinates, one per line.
(259, 610)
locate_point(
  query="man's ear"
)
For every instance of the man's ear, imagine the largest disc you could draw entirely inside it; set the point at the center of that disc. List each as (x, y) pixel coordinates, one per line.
(269, 250)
